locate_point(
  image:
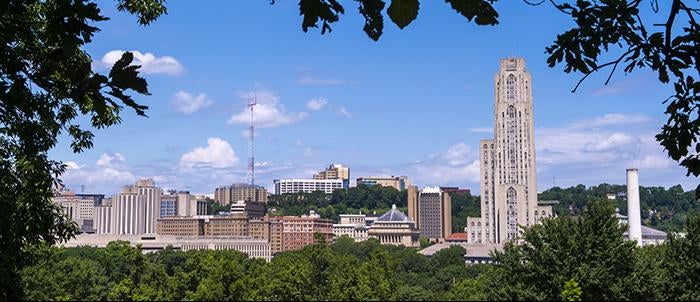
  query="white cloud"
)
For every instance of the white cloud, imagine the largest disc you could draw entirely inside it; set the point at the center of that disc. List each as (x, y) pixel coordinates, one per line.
(615, 140)
(611, 119)
(458, 154)
(187, 103)
(218, 154)
(344, 112)
(71, 165)
(268, 112)
(107, 160)
(481, 129)
(652, 162)
(150, 64)
(316, 104)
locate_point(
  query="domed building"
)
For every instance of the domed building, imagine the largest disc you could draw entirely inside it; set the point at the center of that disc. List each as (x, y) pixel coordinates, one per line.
(395, 228)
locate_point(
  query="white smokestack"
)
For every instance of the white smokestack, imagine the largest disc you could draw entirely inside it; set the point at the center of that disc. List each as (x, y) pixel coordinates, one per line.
(633, 209)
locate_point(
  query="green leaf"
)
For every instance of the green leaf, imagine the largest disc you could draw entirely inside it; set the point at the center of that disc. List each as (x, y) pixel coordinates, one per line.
(480, 10)
(403, 12)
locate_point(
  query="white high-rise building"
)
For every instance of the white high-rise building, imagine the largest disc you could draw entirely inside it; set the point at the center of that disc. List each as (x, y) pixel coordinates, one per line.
(508, 179)
(151, 197)
(128, 212)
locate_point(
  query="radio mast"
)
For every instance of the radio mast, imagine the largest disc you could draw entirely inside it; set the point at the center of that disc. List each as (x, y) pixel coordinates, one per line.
(251, 144)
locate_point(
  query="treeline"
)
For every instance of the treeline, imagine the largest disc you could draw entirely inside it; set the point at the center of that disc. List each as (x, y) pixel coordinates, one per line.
(563, 258)
(341, 271)
(664, 209)
(367, 199)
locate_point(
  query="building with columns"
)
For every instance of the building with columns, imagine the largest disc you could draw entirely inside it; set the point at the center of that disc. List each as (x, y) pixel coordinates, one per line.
(508, 179)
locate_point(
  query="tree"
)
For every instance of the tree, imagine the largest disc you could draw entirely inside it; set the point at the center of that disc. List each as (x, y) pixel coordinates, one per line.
(46, 84)
(571, 292)
(602, 29)
(682, 262)
(590, 250)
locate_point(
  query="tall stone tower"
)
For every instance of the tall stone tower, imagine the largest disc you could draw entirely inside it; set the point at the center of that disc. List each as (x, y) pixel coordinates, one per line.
(508, 180)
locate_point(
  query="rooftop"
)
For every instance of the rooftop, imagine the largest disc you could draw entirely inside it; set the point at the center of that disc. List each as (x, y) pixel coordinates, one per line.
(394, 215)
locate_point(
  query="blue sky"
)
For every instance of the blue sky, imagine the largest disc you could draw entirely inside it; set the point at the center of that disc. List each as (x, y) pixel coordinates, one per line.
(414, 103)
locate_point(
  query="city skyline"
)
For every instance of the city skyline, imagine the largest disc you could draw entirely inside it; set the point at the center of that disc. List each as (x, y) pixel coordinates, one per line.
(400, 109)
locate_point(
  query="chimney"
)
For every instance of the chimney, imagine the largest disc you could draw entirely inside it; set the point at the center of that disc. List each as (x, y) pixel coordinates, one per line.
(633, 209)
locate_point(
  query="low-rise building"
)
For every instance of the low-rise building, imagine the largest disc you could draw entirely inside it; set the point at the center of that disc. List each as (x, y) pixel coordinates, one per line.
(253, 209)
(300, 231)
(395, 228)
(180, 226)
(287, 186)
(254, 248)
(397, 182)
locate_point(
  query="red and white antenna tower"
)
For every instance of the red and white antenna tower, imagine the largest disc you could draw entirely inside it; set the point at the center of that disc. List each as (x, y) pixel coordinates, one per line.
(251, 144)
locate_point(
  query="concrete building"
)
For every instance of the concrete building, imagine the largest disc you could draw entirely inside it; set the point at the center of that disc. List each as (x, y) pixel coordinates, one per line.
(336, 171)
(253, 209)
(128, 212)
(286, 186)
(228, 194)
(103, 218)
(180, 226)
(79, 208)
(473, 230)
(412, 199)
(395, 228)
(397, 182)
(475, 253)
(507, 162)
(300, 231)
(434, 213)
(168, 205)
(226, 226)
(254, 248)
(352, 226)
(151, 198)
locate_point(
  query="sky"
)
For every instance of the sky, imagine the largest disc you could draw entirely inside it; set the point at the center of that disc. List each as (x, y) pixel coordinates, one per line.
(414, 103)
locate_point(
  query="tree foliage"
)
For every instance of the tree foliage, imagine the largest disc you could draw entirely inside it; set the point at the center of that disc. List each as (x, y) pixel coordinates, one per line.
(46, 85)
(662, 208)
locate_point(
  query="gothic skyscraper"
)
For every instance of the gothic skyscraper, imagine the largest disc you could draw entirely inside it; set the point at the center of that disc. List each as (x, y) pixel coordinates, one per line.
(508, 179)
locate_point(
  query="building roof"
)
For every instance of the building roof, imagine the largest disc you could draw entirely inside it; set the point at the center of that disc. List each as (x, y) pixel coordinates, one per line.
(394, 215)
(457, 237)
(473, 250)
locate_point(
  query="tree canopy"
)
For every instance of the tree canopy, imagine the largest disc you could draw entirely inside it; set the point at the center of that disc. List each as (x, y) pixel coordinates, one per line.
(46, 85)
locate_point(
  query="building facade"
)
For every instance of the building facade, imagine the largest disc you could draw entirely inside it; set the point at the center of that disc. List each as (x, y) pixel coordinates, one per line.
(434, 213)
(228, 194)
(168, 205)
(336, 171)
(399, 182)
(300, 231)
(151, 198)
(508, 179)
(286, 186)
(395, 228)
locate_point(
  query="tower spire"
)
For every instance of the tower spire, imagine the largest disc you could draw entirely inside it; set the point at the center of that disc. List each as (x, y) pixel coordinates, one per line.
(252, 101)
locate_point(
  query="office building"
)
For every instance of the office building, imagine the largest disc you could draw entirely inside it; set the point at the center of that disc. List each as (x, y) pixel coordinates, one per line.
(103, 217)
(168, 205)
(228, 194)
(286, 186)
(397, 182)
(352, 226)
(507, 162)
(434, 213)
(229, 225)
(336, 171)
(300, 231)
(253, 209)
(151, 199)
(180, 226)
